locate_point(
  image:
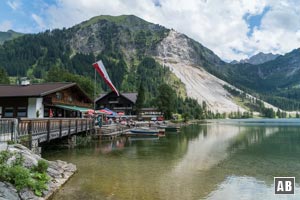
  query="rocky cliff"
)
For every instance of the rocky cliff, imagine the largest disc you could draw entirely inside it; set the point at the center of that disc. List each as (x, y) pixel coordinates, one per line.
(175, 53)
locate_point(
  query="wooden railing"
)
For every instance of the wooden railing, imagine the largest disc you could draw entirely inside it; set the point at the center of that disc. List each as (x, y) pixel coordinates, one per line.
(8, 129)
(42, 129)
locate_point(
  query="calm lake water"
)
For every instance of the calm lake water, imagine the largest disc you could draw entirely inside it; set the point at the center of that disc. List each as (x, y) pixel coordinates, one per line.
(229, 159)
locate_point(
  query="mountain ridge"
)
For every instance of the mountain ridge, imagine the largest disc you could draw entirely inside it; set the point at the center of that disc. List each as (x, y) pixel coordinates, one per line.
(257, 59)
(127, 45)
(9, 35)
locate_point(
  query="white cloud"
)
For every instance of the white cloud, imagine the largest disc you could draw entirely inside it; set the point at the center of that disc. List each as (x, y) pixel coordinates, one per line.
(5, 25)
(38, 20)
(217, 24)
(14, 4)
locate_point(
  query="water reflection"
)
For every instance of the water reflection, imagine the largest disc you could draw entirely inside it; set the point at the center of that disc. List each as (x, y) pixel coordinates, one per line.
(109, 146)
(208, 161)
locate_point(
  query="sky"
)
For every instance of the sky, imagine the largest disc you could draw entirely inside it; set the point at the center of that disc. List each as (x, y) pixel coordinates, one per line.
(233, 29)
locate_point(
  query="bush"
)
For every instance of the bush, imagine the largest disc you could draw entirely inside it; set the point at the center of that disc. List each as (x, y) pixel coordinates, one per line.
(19, 176)
(19, 160)
(4, 156)
(39, 182)
(41, 167)
(35, 178)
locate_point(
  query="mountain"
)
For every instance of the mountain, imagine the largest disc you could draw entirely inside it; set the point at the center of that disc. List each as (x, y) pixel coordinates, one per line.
(257, 59)
(133, 51)
(9, 35)
(276, 81)
(136, 52)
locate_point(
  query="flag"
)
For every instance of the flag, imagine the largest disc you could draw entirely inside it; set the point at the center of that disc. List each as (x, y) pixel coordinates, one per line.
(102, 71)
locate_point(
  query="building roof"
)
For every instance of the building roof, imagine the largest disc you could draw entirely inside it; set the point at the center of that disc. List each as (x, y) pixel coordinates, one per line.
(32, 90)
(131, 96)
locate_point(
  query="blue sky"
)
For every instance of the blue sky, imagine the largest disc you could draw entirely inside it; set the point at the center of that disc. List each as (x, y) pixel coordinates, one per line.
(19, 15)
(254, 21)
(233, 29)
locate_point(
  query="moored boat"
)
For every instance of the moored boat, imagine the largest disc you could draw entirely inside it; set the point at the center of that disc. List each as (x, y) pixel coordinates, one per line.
(170, 128)
(144, 131)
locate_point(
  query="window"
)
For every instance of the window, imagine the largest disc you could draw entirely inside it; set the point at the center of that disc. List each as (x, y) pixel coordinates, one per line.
(46, 112)
(70, 99)
(22, 111)
(8, 111)
(59, 95)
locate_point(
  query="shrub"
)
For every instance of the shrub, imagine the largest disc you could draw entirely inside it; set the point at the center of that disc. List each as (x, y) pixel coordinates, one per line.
(41, 167)
(35, 178)
(19, 160)
(39, 182)
(4, 156)
(19, 176)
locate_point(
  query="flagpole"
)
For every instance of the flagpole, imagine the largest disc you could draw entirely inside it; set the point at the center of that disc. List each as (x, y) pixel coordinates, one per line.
(94, 88)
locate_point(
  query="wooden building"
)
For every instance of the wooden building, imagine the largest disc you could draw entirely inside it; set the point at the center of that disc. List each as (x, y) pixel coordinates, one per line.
(123, 103)
(43, 100)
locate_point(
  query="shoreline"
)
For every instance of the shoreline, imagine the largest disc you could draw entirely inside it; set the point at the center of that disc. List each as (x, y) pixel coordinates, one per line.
(59, 172)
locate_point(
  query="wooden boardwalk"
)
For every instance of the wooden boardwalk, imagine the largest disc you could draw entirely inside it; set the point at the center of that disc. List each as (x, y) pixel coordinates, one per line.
(42, 130)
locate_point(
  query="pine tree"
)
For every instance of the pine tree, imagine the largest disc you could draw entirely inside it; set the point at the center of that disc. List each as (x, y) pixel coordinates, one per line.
(140, 99)
(4, 79)
(166, 100)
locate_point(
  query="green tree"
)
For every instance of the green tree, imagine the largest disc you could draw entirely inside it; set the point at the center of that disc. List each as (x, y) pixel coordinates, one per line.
(57, 74)
(166, 100)
(4, 79)
(140, 99)
(278, 113)
(185, 117)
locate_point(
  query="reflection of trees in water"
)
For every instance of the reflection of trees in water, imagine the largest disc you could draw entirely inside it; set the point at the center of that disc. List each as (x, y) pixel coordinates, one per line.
(262, 153)
(248, 136)
(256, 151)
(174, 145)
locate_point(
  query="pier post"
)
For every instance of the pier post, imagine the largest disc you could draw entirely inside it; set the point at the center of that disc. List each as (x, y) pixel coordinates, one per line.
(35, 147)
(72, 141)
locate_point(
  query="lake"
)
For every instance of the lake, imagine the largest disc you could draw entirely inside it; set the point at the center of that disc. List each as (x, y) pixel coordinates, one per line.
(220, 159)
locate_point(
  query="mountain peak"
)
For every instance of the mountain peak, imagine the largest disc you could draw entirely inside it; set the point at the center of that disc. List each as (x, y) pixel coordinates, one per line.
(9, 35)
(257, 59)
(123, 20)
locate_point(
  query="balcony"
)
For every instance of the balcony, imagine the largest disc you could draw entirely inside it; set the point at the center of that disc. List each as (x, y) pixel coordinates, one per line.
(73, 103)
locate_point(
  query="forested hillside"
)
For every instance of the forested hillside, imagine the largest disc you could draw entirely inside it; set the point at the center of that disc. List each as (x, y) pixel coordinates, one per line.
(9, 35)
(129, 48)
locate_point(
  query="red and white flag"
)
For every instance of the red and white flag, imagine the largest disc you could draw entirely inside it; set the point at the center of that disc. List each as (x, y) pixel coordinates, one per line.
(103, 73)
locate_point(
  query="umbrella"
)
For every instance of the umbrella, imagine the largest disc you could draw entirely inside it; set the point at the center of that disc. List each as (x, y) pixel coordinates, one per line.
(90, 112)
(121, 113)
(106, 112)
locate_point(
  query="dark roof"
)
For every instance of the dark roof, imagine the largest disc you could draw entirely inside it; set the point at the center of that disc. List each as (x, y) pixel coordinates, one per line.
(32, 90)
(131, 96)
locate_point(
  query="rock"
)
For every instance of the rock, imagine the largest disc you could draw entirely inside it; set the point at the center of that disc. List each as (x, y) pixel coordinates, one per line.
(3, 146)
(20, 147)
(30, 159)
(28, 195)
(7, 191)
(54, 173)
(70, 167)
(59, 172)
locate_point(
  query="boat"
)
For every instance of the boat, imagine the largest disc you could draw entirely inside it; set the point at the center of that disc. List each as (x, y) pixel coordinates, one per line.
(170, 128)
(144, 131)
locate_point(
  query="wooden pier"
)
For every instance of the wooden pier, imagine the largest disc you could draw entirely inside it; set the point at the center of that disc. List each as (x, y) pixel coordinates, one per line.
(111, 131)
(35, 131)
